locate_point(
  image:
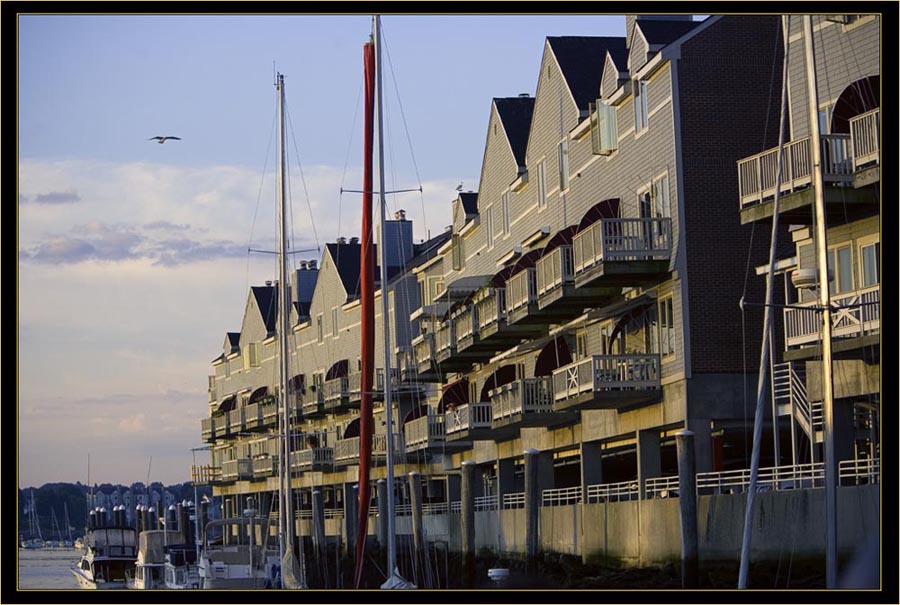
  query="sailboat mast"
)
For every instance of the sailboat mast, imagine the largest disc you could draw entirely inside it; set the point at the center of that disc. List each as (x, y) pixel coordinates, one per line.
(385, 317)
(283, 321)
(825, 304)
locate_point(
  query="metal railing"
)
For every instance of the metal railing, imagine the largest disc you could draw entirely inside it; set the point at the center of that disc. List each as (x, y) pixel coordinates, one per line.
(491, 307)
(334, 513)
(857, 315)
(606, 373)
(768, 478)
(661, 487)
(514, 500)
(456, 506)
(555, 270)
(465, 323)
(613, 492)
(435, 508)
(864, 139)
(622, 239)
(487, 502)
(859, 472)
(561, 496)
(523, 396)
(522, 289)
(757, 173)
(467, 417)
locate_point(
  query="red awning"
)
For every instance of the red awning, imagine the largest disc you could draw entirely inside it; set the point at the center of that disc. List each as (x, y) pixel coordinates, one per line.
(605, 209)
(258, 394)
(227, 404)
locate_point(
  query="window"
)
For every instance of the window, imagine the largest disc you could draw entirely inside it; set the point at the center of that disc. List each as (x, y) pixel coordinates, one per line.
(580, 344)
(435, 288)
(490, 226)
(869, 261)
(641, 113)
(335, 316)
(563, 157)
(456, 251)
(604, 129)
(841, 273)
(320, 328)
(666, 327)
(391, 321)
(250, 356)
(504, 206)
(542, 186)
(660, 196)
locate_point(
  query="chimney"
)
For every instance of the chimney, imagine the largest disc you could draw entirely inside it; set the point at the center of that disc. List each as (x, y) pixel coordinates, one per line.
(303, 265)
(342, 240)
(354, 240)
(400, 215)
(311, 264)
(268, 282)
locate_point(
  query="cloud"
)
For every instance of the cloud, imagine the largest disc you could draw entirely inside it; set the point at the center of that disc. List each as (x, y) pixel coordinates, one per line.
(132, 424)
(165, 226)
(57, 197)
(23, 199)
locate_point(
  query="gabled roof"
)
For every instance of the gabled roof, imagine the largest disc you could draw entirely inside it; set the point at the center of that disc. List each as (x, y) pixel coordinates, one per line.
(581, 60)
(515, 115)
(660, 33)
(469, 201)
(267, 302)
(346, 260)
(619, 58)
(233, 339)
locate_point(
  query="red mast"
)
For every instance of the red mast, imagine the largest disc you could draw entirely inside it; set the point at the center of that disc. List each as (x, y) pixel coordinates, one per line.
(367, 303)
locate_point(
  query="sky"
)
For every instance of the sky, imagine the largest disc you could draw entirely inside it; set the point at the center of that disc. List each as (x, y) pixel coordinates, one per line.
(133, 255)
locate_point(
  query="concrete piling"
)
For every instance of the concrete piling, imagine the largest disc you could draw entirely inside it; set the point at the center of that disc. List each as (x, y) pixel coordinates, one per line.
(687, 501)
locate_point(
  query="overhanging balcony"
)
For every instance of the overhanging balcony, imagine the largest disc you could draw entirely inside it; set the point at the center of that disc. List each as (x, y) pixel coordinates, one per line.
(269, 411)
(337, 393)
(236, 421)
(346, 451)
(237, 470)
(843, 176)
(312, 402)
(253, 417)
(856, 315)
(426, 363)
(607, 382)
(557, 297)
(425, 434)
(468, 422)
(521, 403)
(313, 459)
(622, 252)
(212, 428)
(265, 466)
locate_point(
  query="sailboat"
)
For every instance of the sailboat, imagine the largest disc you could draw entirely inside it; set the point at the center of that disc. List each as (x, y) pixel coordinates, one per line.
(35, 539)
(373, 67)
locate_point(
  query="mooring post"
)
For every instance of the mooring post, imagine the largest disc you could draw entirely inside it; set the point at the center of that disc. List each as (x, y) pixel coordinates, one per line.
(318, 533)
(351, 506)
(687, 501)
(419, 547)
(467, 523)
(382, 491)
(532, 508)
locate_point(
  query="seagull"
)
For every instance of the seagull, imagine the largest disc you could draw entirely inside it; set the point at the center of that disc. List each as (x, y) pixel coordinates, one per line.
(164, 139)
(459, 187)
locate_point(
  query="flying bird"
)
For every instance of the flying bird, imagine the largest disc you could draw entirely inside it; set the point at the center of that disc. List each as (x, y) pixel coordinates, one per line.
(163, 139)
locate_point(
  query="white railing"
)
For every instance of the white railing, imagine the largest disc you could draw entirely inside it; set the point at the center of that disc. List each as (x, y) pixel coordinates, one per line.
(269, 411)
(523, 396)
(864, 138)
(445, 338)
(435, 508)
(252, 416)
(857, 315)
(491, 308)
(486, 502)
(514, 500)
(335, 390)
(241, 468)
(622, 239)
(661, 487)
(310, 457)
(456, 506)
(346, 449)
(522, 289)
(768, 478)
(467, 417)
(265, 466)
(424, 432)
(424, 349)
(208, 428)
(305, 513)
(857, 472)
(554, 270)
(606, 373)
(465, 323)
(334, 513)
(236, 420)
(561, 496)
(757, 173)
(613, 492)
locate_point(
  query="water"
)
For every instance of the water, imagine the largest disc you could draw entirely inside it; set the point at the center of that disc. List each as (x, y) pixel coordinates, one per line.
(47, 568)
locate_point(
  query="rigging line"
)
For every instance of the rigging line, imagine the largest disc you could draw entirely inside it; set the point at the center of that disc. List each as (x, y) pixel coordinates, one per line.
(259, 194)
(349, 147)
(312, 220)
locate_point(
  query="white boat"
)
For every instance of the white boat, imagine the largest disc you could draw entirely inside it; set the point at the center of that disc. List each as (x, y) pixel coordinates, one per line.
(181, 568)
(109, 552)
(232, 559)
(149, 569)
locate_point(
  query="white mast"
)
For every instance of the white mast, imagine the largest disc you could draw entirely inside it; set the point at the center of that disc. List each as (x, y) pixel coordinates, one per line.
(825, 304)
(385, 318)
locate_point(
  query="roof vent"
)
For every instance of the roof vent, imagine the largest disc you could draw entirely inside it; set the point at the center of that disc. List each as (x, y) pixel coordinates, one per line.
(311, 264)
(342, 240)
(524, 95)
(303, 265)
(354, 240)
(400, 215)
(268, 282)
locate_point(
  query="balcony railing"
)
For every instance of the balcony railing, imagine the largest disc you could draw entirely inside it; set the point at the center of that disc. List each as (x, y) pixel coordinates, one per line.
(622, 240)
(424, 432)
(336, 392)
(253, 416)
(613, 492)
(555, 270)
(606, 373)
(234, 470)
(491, 308)
(265, 466)
(208, 427)
(205, 474)
(864, 139)
(445, 341)
(236, 420)
(312, 458)
(521, 290)
(466, 326)
(423, 346)
(467, 417)
(269, 411)
(406, 364)
(520, 397)
(561, 496)
(347, 450)
(661, 487)
(514, 500)
(486, 503)
(857, 314)
(757, 173)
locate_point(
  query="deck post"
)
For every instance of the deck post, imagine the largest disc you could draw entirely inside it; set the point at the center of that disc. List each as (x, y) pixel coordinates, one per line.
(532, 508)
(467, 523)
(418, 529)
(687, 503)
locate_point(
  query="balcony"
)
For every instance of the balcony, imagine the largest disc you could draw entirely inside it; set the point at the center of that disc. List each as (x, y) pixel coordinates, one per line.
(426, 363)
(313, 459)
(468, 421)
(864, 140)
(336, 393)
(607, 382)
(855, 315)
(209, 427)
(622, 252)
(444, 342)
(346, 451)
(557, 297)
(237, 470)
(265, 466)
(205, 474)
(843, 197)
(236, 421)
(312, 402)
(425, 433)
(522, 301)
(253, 417)
(521, 403)
(406, 364)
(269, 411)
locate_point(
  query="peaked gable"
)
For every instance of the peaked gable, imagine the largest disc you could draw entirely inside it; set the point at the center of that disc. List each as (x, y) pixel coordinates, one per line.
(581, 59)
